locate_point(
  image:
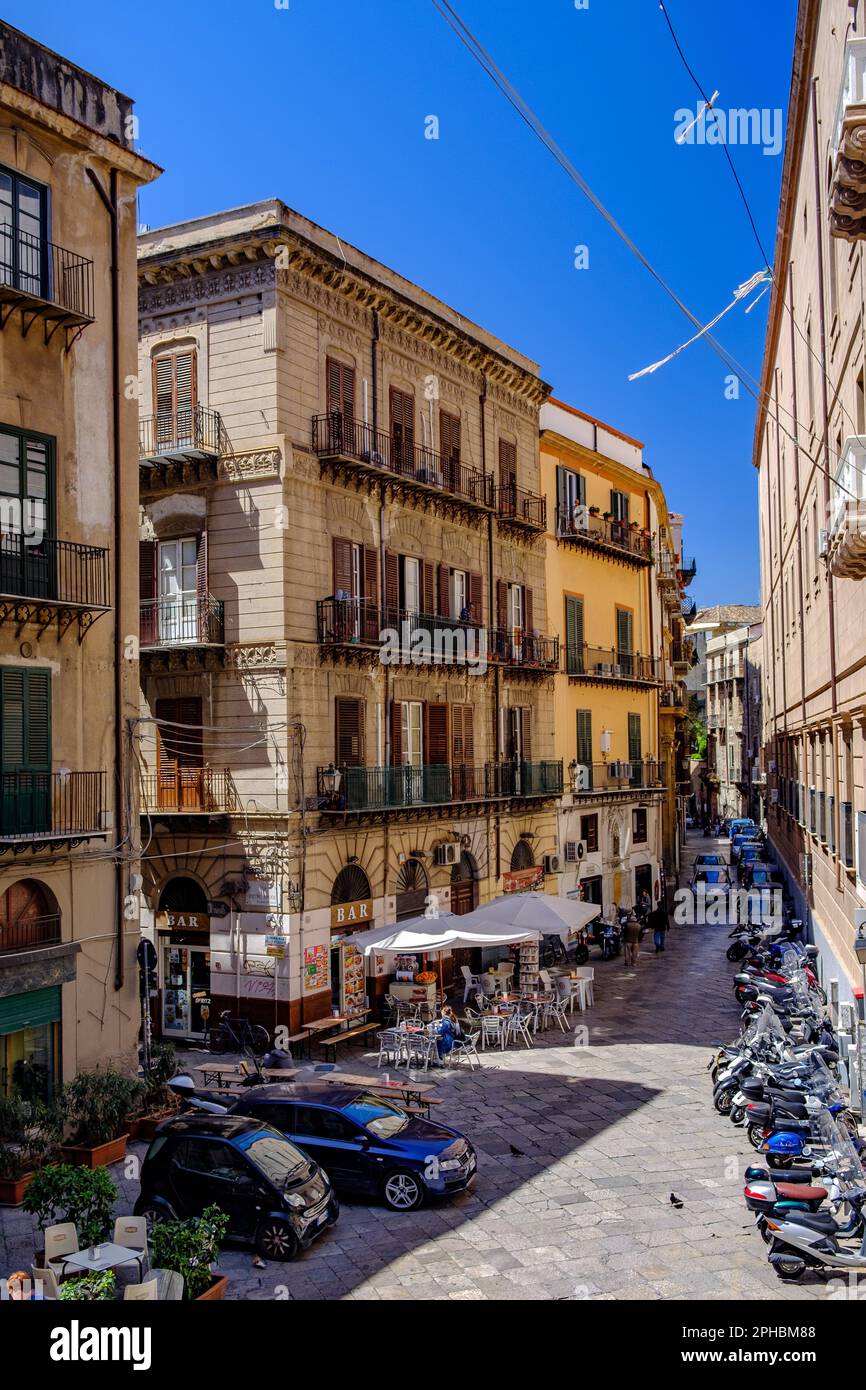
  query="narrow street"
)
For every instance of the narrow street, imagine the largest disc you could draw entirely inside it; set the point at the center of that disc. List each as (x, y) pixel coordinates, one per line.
(605, 1133)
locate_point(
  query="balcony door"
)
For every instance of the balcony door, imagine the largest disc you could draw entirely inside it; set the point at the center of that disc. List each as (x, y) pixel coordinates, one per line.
(180, 775)
(26, 514)
(402, 431)
(23, 234)
(178, 591)
(174, 399)
(25, 750)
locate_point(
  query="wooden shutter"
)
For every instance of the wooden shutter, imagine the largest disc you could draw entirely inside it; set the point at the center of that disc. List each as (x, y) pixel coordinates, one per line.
(619, 505)
(25, 715)
(436, 739)
(476, 597)
(501, 604)
(528, 624)
(174, 383)
(624, 630)
(584, 737)
(507, 463)
(574, 635)
(449, 437)
(344, 570)
(402, 428)
(349, 732)
(184, 375)
(371, 574)
(634, 738)
(462, 734)
(444, 587)
(341, 388)
(163, 386)
(180, 736)
(396, 733)
(428, 603)
(526, 732)
(392, 585)
(148, 590)
(201, 584)
(562, 494)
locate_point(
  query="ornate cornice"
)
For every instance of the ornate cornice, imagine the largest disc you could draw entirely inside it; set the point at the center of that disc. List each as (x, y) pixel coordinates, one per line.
(252, 466)
(255, 656)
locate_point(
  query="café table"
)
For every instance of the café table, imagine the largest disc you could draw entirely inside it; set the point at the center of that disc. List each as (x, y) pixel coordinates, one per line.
(97, 1258)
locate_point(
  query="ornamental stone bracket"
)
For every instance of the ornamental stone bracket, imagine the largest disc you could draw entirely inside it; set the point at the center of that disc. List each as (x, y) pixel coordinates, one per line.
(848, 189)
(255, 466)
(255, 656)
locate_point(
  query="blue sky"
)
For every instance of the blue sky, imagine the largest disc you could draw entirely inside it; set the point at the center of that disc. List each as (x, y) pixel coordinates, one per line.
(323, 104)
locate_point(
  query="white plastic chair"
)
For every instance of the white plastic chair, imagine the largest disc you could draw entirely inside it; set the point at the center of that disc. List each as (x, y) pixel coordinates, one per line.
(470, 982)
(60, 1240)
(587, 973)
(466, 1049)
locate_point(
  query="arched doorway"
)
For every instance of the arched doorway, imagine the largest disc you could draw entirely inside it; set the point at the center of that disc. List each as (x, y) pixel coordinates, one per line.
(351, 910)
(29, 1035)
(183, 926)
(521, 856)
(464, 885)
(412, 889)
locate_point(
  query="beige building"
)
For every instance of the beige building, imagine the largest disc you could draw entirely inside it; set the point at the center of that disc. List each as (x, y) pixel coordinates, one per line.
(810, 453)
(68, 671)
(733, 710)
(347, 657)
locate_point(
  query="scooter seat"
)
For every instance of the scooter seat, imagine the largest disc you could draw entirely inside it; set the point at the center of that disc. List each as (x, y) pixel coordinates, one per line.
(798, 1176)
(799, 1192)
(816, 1220)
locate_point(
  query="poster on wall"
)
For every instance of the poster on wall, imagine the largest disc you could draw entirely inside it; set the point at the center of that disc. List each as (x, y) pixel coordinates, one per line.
(354, 993)
(315, 967)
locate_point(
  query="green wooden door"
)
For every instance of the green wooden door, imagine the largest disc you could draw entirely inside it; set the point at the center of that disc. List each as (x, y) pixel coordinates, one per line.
(635, 751)
(25, 750)
(574, 663)
(625, 641)
(584, 750)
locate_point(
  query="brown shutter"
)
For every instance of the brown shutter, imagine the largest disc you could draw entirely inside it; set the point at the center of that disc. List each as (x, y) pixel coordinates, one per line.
(526, 732)
(392, 585)
(449, 444)
(402, 430)
(396, 733)
(527, 610)
(201, 568)
(476, 598)
(343, 569)
(371, 593)
(428, 603)
(507, 463)
(444, 589)
(148, 589)
(349, 732)
(341, 388)
(468, 734)
(436, 740)
(501, 604)
(184, 382)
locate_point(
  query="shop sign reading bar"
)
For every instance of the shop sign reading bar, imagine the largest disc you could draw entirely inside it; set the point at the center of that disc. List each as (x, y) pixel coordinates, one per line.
(352, 914)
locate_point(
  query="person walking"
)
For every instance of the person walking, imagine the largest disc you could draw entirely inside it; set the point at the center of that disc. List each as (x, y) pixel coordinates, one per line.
(631, 939)
(659, 922)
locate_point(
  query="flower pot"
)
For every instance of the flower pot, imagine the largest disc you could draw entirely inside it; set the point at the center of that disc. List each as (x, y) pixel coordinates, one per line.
(216, 1290)
(147, 1124)
(132, 1123)
(12, 1190)
(99, 1156)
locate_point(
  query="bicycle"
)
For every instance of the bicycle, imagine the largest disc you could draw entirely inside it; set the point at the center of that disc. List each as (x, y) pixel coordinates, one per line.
(238, 1035)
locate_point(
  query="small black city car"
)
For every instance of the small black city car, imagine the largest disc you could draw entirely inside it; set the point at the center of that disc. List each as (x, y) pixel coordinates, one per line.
(366, 1145)
(275, 1196)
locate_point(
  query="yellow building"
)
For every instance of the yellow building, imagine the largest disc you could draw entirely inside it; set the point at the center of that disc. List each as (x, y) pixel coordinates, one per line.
(614, 579)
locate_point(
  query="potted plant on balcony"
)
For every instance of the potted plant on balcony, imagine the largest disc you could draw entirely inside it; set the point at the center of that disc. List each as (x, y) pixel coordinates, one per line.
(29, 1134)
(96, 1105)
(191, 1249)
(70, 1192)
(157, 1102)
(595, 511)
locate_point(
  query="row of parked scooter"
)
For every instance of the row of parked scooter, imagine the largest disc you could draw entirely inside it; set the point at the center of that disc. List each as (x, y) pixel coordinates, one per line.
(780, 1081)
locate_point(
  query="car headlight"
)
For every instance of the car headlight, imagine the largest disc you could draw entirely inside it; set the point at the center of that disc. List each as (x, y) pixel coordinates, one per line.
(449, 1163)
(295, 1201)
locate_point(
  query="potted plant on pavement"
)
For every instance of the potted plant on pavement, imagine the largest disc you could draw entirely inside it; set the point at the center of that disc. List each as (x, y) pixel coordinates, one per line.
(29, 1134)
(70, 1192)
(158, 1103)
(191, 1248)
(96, 1105)
(99, 1287)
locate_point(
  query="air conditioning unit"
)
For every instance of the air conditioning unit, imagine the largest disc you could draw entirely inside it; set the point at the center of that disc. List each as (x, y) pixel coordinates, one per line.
(582, 781)
(552, 864)
(806, 870)
(603, 668)
(616, 771)
(616, 670)
(580, 517)
(448, 853)
(575, 851)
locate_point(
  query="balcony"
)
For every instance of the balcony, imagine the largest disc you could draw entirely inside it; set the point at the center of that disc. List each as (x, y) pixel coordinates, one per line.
(523, 653)
(515, 506)
(847, 539)
(616, 779)
(44, 281)
(380, 790)
(29, 934)
(848, 183)
(607, 665)
(178, 449)
(359, 630)
(688, 609)
(681, 659)
(619, 540)
(687, 569)
(50, 808)
(189, 791)
(182, 632)
(351, 451)
(43, 580)
(674, 700)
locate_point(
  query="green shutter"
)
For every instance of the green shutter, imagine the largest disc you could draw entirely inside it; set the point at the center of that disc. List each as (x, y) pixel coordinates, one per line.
(574, 636)
(25, 716)
(634, 738)
(584, 736)
(19, 1011)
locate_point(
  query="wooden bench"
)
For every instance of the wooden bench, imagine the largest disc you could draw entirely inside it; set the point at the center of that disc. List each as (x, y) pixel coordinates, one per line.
(304, 1038)
(361, 1031)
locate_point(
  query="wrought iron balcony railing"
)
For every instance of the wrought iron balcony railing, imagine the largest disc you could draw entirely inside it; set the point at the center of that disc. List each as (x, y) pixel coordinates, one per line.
(348, 621)
(28, 934)
(336, 436)
(688, 569)
(43, 279)
(52, 571)
(197, 432)
(523, 650)
(618, 537)
(51, 805)
(617, 776)
(609, 664)
(390, 788)
(518, 505)
(182, 621)
(189, 790)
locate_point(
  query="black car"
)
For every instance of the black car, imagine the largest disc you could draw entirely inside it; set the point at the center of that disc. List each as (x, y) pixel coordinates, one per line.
(274, 1195)
(365, 1144)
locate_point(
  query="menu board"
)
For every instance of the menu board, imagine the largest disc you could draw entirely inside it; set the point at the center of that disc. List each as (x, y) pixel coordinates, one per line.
(315, 967)
(354, 992)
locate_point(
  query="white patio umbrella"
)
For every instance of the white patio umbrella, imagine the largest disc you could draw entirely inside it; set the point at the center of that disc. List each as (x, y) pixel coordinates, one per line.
(536, 912)
(442, 933)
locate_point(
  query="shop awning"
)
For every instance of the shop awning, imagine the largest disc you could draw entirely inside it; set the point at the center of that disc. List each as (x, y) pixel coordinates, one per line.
(442, 933)
(535, 912)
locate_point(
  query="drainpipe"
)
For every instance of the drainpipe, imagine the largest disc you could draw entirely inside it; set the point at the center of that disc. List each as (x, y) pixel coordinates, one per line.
(110, 203)
(825, 408)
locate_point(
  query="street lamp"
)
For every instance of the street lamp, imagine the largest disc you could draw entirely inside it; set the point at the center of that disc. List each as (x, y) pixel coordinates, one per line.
(331, 780)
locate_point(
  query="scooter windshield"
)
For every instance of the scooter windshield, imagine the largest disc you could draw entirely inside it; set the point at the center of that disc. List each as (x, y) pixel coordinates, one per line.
(768, 1035)
(819, 1080)
(839, 1150)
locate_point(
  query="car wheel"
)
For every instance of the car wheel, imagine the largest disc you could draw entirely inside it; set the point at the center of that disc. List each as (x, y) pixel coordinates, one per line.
(403, 1191)
(154, 1214)
(276, 1240)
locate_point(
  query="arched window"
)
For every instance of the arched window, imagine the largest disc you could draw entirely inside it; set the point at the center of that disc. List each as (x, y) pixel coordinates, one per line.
(351, 885)
(29, 916)
(412, 889)
(183, 894)
(521, 856)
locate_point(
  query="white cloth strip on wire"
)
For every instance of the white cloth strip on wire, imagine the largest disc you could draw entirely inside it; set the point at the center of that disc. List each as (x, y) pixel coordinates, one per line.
(762, 277)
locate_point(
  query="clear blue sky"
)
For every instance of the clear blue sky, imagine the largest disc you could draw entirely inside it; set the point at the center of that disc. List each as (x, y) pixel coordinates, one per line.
(324, 104)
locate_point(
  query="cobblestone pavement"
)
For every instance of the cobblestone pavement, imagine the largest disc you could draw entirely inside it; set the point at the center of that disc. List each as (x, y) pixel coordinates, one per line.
(579, 1148)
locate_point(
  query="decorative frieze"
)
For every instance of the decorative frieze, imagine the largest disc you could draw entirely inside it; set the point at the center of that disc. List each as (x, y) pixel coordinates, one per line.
(254, 466)
(256, 656)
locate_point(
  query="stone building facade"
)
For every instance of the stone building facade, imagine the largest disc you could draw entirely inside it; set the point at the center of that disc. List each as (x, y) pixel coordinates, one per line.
(69, 928)
(347, 659)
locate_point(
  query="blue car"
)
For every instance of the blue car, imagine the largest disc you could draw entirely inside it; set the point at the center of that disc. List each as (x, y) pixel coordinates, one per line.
(366, 1145)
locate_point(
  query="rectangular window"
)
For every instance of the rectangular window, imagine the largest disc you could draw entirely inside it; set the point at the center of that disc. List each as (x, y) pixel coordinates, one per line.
(639, 825)
(24, 234)
(174, 398)
(584, 742)
(402, 430)
(341, 389)
(25, 749)
(412, 733)
(574, 650)
(589, 833)
(27, 561)
(592, 889)
(570, 494)
(625, 641)
(349, 732)
(619, 505)
(449, 438)
(507, 464)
